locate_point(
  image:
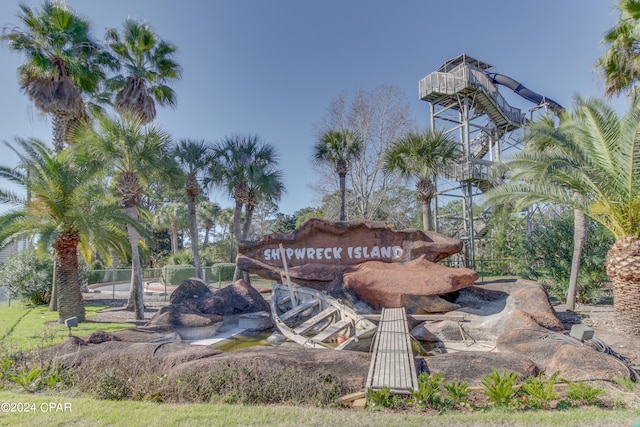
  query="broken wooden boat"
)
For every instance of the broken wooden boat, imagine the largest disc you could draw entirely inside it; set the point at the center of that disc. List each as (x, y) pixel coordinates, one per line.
(314, 319)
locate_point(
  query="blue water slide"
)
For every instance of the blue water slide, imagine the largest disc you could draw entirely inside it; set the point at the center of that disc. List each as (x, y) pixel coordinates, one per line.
(527, 94)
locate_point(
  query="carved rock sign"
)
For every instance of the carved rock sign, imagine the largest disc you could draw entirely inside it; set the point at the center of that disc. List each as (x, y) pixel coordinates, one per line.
(321, 254)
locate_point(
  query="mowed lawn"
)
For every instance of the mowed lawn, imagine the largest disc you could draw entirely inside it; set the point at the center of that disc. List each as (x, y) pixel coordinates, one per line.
(24, 328)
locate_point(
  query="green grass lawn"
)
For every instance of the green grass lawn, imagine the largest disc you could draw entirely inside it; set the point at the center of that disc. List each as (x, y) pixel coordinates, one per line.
(59, 410)
(25, 328)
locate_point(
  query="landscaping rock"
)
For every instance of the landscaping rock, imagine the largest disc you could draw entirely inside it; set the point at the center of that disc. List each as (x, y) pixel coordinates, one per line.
(473, 365)
(238, 298)
(99, 337)
(585, 364)
(181, 316)
(191, 291)
(425, 304)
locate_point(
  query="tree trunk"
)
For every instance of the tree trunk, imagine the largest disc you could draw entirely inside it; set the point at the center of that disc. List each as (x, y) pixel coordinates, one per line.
(59, 124)
(206, 237)
(53, 302)
(343, 189)
(136, 292)
(173, 232)
(193, 233)
(579, 239)
(70, 302)
(237, 232)
(426, 214)
(623, 268)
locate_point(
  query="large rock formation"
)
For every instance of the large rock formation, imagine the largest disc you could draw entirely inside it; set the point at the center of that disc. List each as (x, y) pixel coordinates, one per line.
(371, 259)
(238, 298)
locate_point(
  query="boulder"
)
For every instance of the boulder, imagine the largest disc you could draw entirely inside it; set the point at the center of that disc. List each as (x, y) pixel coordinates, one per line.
(191, 291)
(382, 284)
(187, 322)
(471, 366)
(586, 364)
(425, 304)
(237, 298)
(99, 337)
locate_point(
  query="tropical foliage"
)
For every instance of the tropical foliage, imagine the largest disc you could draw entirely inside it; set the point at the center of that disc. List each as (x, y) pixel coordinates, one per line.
(148, 69)
(421, 156)
(600, 161)
(66, 208)
(133, 155)
(338, 149)
(61, 63)
(619, 64)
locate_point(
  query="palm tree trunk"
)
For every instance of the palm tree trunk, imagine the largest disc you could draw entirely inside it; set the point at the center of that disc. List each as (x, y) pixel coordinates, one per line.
(174, 240)
(343, 179)
(426, 214)
(70, 302)
(206, 236)
(59, 125)
(135, 302)
(237, 212)
(53, 302)
(623, 268)
(579, 239)
(193, 232)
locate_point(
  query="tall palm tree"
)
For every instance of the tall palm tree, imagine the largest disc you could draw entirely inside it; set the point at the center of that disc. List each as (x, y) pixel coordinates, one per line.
(65, 208)
(620, 64)
(194, 158)
(544, 136)
(420, 156)
(208, 213)
(599, 161)
(247, 168)
(338, 148)
(62, 62)
(174, 218)
(149, 68)
(135, 155)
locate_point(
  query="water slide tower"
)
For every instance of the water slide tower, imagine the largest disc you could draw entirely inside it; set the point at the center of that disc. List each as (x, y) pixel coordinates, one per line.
(464, 99)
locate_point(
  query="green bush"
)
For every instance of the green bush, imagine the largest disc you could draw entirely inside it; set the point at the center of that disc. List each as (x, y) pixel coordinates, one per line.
(27, 276)
(384, 399)
(174, 275)
(500, 388)
(428, 393)
(539, 391)
(584, 394)
(222, 272)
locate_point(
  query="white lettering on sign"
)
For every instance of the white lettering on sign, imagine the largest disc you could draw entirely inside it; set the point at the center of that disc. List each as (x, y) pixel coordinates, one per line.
(335, 253)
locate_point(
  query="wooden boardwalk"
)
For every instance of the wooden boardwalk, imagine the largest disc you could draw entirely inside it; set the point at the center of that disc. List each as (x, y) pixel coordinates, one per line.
(392, 363)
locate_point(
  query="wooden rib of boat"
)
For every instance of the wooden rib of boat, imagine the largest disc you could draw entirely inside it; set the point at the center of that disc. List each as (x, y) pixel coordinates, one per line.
(314, 319)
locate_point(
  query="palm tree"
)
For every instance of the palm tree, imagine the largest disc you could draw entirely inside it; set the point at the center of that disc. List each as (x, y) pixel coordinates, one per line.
(599, 160)
(620, 64)
(421, 155)
(62, 63)
(67, 210)
(174, 218)
(337, 148)
(135, 155)
(208, 213)
(543, 136)
(194, 157)
(149, 68)
(247, 168)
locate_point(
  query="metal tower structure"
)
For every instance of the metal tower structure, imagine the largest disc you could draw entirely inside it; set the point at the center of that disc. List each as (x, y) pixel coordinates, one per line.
(464, 98)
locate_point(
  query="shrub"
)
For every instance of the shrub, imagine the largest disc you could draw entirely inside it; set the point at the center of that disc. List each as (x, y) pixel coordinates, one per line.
(223, 272)
(428, 393)
(383, 398)
(500, 388)
(27, 276)
(175, 275)
(584, 394)
(539, 391)
(457, 392)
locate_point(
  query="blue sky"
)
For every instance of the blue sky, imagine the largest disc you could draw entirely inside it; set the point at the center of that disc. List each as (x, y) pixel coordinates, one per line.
(271, 68)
